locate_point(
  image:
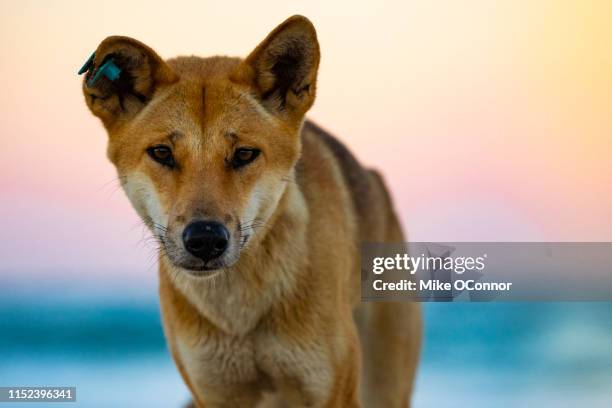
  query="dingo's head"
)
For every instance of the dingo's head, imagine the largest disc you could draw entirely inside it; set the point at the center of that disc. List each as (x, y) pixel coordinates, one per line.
(204, 146)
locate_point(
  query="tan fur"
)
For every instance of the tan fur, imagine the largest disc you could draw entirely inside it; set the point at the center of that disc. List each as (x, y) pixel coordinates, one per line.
(279, 322)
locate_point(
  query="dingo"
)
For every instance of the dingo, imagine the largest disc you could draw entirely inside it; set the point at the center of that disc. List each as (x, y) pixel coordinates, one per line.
(259, 215)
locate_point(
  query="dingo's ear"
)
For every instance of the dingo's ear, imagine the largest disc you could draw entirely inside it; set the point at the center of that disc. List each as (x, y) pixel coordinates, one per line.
(282, 70)
(122, 77)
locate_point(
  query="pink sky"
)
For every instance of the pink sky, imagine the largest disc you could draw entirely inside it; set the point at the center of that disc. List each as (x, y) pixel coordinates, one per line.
(491, 120)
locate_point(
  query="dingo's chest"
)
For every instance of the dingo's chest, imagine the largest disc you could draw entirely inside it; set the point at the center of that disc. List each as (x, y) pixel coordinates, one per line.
(256, 359)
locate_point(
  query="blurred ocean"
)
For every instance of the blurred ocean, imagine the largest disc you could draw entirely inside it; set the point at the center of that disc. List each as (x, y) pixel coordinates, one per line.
(109, 343)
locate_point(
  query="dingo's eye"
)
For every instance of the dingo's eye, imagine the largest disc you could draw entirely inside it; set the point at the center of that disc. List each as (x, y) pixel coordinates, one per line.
(244, 156)
(162, 154)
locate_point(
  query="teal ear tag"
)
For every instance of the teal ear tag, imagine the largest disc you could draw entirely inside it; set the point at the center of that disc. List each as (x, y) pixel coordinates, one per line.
(108, 69)
(87, 64)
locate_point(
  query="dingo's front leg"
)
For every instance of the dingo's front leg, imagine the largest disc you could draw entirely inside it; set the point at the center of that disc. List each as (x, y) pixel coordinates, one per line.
(323, 373)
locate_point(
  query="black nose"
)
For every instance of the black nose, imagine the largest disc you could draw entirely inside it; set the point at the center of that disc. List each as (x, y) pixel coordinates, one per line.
(206, 239)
